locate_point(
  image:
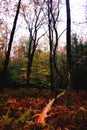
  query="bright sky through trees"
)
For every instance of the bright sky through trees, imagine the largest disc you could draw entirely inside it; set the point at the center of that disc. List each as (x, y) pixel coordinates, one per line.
(78, 20)
(78, 8)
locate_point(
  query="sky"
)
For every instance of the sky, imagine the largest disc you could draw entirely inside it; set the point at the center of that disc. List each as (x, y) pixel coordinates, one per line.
(77, 9)
(77, 16)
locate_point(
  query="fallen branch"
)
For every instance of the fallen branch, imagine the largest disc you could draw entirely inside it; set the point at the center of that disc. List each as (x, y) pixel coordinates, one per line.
(43, 115)
(59, 95)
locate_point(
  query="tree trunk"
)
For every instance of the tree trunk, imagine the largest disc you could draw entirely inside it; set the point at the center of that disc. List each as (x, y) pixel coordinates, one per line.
(29, 59)
(68, 38)
(28, 71)
(5, 71)
(51, 72)
(50, 43)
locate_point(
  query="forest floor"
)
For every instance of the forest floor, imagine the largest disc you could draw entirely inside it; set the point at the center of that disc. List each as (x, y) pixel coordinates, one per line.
(20, 109)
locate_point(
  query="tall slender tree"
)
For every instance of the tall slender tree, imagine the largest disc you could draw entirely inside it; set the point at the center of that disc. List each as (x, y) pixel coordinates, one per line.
(53, 10)
(68, 39)
(50, 41)
(34, 22)
(5, 71)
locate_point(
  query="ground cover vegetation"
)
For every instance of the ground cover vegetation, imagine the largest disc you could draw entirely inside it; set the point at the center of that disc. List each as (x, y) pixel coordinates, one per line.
(21, 107)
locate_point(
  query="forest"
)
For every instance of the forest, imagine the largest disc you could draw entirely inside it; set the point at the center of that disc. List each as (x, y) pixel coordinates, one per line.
(43, 66)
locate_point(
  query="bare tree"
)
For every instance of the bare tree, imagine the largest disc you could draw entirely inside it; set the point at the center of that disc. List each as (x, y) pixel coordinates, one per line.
(5, 71)
(55, 20)
(34, 20)
(68, 39)
(53, 9)
(50, 41)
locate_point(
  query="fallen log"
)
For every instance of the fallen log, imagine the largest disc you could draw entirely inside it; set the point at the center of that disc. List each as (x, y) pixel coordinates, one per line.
(43, 115)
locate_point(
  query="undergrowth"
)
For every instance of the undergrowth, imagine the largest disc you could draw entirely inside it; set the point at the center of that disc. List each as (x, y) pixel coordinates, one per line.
(20, 109)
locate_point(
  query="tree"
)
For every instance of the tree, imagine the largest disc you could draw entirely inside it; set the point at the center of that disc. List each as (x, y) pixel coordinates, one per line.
(3, 45)
(79, 62)
(68, 39)
(55, 20)
(34, 22)
(53, 11)
(5, 71)
(40, 75)
(3, 39)
(50, 41)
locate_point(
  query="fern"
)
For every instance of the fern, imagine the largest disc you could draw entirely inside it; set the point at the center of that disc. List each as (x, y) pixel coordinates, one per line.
(24, 116)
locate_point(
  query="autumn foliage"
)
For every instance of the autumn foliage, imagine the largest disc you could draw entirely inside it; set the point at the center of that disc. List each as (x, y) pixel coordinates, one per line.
(20, 109)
